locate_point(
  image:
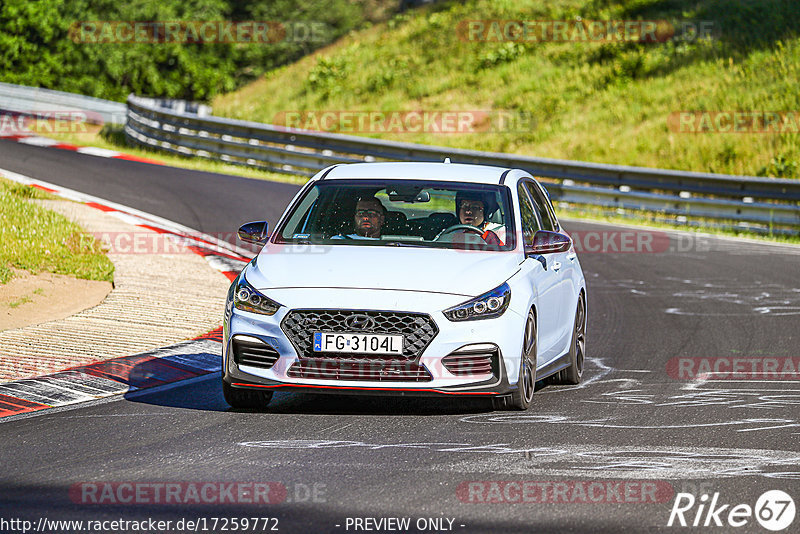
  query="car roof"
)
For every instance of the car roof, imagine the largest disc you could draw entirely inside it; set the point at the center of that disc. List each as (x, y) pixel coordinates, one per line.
(449, 172)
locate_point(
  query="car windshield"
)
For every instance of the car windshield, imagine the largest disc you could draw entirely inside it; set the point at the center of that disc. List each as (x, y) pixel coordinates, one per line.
(402, 213)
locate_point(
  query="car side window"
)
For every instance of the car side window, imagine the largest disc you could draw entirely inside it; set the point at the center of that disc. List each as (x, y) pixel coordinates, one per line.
(300, 218)
(529, 217)
(548, 219)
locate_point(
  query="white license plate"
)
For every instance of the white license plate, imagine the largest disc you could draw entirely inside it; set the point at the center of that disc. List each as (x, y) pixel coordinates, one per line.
(357, 343)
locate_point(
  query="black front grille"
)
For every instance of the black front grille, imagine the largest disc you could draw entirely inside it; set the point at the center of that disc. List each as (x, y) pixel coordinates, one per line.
(360, 369)
(473, 360)
(254, 354)
(468, 364)
(417, 329)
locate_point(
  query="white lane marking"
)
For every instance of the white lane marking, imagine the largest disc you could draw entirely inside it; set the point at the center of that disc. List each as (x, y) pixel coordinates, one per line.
(37, 141)
(127, 218)
(97, 151)
(197, 239)
(225, 264)
(47, 392)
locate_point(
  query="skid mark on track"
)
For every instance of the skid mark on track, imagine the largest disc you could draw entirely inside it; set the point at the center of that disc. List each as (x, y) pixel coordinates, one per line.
(304, 444)
(702, 393)
(586, 460)
(596, 370)
(666, 463)
(618, 422)
(757, 298)
(742, 299)
(628, 387)
(736, 398)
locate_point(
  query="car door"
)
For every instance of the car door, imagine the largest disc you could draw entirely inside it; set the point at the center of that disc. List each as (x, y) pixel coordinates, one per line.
(563, 263)
(543, 278)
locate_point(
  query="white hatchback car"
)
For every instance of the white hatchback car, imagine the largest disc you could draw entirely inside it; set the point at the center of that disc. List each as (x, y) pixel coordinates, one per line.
(432, 279)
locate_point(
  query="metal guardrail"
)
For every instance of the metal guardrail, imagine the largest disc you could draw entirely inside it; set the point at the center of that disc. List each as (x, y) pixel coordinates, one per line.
(764, 204)
(36, 101)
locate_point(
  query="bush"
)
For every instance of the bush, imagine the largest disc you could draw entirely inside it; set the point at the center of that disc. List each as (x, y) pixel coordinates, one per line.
(36, 48)
(780, 167)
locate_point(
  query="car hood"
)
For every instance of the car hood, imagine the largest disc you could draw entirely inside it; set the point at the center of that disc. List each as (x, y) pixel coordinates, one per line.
(456, 272)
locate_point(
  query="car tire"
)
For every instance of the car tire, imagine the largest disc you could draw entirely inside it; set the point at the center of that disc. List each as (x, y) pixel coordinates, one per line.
(522, 397)
(245, 399)
(577, 350)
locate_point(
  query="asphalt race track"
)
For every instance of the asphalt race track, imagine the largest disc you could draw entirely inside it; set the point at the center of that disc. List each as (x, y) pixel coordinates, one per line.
(635, 434)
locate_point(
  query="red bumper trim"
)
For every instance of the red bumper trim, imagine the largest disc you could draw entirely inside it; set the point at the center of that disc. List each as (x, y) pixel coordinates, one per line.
(430, 390)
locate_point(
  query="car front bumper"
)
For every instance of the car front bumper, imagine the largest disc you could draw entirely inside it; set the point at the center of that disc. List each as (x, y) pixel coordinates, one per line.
(504, 332)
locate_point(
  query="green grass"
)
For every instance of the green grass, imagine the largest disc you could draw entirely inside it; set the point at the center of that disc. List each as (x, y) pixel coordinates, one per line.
(18, 303)
(37, 239)
(599, 102)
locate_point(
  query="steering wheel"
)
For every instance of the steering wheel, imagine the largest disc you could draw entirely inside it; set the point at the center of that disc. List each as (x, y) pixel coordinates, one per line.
(457, 227)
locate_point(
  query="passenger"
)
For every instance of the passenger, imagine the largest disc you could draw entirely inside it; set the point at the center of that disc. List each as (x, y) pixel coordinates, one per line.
(475, 209)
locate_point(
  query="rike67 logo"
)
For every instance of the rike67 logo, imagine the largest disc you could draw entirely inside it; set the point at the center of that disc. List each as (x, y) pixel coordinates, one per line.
(774, 510)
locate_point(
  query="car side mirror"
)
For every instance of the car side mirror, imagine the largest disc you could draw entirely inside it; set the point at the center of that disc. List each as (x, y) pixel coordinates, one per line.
(546, 242)
(254, 232)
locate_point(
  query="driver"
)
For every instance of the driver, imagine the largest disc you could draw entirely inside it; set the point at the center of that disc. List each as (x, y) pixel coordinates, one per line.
(369, 217)
(474, 209)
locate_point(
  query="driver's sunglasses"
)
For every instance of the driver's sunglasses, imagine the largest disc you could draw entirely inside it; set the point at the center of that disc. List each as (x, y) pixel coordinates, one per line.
(367, 213)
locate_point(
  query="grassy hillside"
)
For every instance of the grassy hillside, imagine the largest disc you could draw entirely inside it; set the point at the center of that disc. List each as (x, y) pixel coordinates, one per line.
(602, 102)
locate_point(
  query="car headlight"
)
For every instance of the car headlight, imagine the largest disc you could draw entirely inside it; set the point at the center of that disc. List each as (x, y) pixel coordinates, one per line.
(247, 298)
(489, 305)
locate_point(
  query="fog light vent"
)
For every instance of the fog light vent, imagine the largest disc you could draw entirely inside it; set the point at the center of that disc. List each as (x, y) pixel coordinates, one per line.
(254, 353)
(478, 359)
